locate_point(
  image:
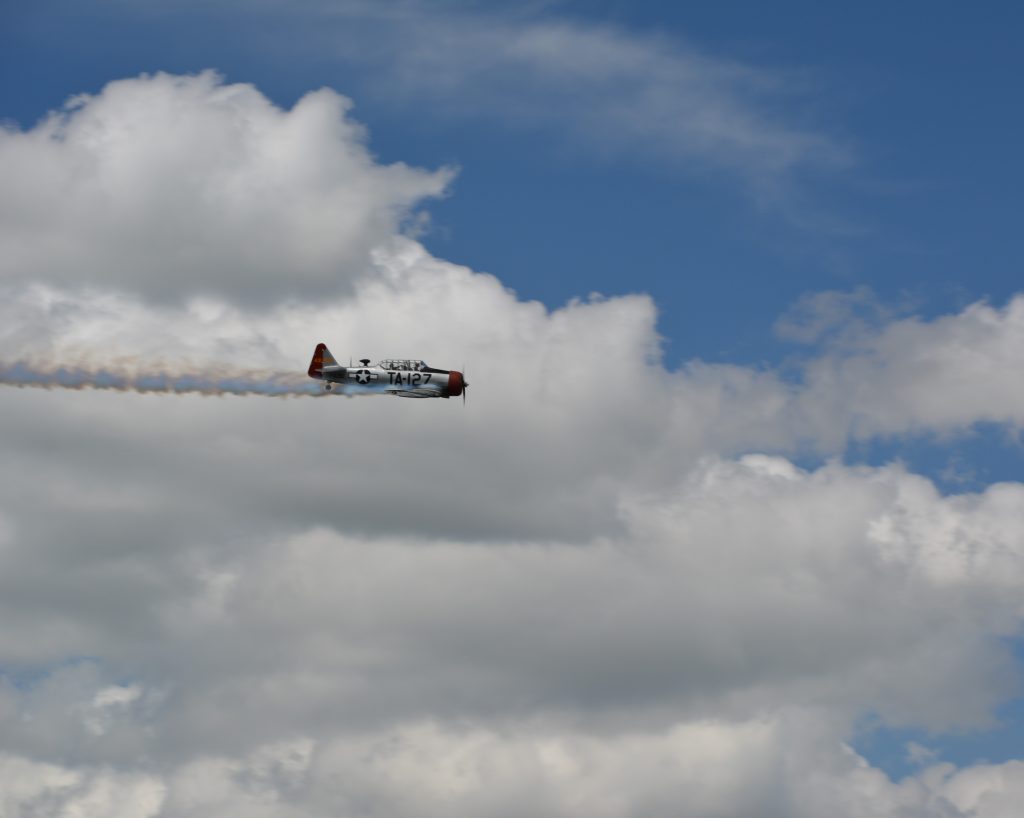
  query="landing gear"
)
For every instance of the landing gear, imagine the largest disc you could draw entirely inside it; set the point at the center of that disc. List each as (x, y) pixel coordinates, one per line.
(328, 387)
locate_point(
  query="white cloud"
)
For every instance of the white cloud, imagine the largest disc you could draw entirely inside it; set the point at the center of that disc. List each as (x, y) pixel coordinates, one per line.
(173, 186)
(986, 790)
(593, 591)
(746, 588)
(29, 788)
(107, 705)
(784, 767)
(920, 376)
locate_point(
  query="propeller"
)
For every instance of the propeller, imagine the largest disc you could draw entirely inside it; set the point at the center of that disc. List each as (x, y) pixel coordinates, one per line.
(465, 384)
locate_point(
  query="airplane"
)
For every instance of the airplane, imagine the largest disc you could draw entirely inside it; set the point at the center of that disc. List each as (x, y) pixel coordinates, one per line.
(402, 377)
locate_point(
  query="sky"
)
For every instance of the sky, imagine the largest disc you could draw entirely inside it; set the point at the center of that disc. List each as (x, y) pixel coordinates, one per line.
(732, 521)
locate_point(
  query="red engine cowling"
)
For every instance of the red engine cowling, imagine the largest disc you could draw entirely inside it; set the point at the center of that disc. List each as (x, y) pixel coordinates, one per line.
(455, 384)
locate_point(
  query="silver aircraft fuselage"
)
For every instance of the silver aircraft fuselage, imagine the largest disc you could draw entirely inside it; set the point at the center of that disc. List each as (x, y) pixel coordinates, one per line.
(405, 378)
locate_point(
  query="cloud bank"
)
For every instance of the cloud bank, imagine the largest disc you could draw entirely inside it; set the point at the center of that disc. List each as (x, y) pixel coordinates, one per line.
(603, 588)
(182, 185)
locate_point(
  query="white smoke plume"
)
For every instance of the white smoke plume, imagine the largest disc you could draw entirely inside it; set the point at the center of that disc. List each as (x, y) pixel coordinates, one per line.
(247, 382)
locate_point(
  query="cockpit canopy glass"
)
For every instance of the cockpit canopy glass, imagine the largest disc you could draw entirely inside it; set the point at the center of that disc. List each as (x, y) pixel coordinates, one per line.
(399, 365)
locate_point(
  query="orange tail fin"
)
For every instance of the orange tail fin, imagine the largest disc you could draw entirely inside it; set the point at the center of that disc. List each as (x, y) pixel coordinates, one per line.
(321, 357)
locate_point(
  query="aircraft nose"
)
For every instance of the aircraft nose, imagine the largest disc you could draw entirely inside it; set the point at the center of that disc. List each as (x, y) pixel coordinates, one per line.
(456, 383)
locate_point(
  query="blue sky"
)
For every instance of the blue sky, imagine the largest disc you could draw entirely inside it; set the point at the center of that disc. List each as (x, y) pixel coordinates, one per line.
(811, 195)
(920, 95)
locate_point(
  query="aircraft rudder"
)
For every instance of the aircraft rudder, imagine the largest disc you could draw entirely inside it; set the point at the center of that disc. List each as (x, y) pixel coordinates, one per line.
(321, 358)
(316, 366)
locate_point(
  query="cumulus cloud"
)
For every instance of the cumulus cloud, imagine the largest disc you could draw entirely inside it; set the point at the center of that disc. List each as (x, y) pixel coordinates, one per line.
(33, 788)
(985, 790)
(172, 186)
(916, 375)
(784, 767)
(603, 588)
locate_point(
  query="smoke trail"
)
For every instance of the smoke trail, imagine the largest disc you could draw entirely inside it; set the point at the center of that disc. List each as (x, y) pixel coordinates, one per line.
(272, 384)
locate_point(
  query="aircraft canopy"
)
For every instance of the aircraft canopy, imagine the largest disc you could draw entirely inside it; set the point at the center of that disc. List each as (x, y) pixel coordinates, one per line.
(399, 365)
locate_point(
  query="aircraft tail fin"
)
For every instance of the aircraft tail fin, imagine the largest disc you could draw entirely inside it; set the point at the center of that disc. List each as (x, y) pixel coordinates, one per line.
(321, 357)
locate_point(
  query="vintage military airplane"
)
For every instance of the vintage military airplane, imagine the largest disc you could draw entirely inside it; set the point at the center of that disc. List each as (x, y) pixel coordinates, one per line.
(404, 378)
